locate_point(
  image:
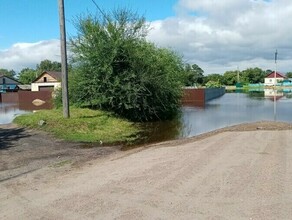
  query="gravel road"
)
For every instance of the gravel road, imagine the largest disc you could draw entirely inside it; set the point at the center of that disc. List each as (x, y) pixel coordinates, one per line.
(244, 172)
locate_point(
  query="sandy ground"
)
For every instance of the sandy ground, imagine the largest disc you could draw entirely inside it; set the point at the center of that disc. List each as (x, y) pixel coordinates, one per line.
(241, 172)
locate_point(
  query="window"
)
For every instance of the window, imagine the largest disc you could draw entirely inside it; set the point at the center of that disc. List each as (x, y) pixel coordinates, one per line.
(45, 79)
(3, 81)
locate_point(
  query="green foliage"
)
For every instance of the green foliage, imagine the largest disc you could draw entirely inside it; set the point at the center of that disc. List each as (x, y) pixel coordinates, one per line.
(27, 75)
(9, 73)
(93, 126)
(213, 84)
(230, 78)
(268, 71)
(48, 65)
(253, 75)
(119, 71)
(194, 75)
(214, 77)
(289, 74)
(57, 98)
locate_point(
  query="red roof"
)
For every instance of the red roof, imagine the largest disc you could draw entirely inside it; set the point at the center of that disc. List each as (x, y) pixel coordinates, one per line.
(278, 75)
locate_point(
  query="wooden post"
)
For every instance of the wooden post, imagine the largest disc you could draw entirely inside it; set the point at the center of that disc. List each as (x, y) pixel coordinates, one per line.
(65, 98)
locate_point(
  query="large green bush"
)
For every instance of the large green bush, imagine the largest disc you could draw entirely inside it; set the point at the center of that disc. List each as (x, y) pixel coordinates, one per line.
(116, 69)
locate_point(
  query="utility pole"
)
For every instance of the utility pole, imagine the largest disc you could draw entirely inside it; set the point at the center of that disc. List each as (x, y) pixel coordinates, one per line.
(65, 98)
(275, 75)
(237, 74)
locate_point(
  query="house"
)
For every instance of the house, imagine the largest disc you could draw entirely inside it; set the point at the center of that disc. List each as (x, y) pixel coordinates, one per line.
(274, 78)
(8, 84)
(48, 80)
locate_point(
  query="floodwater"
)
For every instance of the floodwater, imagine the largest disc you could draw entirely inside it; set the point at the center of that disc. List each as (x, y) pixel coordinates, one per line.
(8, 112)
(230, 109)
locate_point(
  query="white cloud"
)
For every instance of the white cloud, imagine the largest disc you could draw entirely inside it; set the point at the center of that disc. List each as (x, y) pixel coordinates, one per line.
(221, 35)
(22, 55)
(218, 35)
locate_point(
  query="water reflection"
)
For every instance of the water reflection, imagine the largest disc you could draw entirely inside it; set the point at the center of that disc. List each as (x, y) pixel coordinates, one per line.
(17, 103)
(228, 110)
(8, 112)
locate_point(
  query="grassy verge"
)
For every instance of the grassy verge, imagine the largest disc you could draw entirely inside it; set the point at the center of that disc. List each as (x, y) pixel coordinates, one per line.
(84, 125)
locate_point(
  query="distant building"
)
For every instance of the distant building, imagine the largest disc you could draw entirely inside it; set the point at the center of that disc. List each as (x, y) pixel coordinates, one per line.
(8, 84)
(274, 78)
(48, 80)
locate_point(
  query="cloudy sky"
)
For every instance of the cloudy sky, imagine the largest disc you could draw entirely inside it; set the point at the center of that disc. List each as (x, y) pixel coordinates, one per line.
(218, 35)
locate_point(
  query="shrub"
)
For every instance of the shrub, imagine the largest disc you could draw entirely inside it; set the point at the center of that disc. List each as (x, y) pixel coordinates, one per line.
(118, 70)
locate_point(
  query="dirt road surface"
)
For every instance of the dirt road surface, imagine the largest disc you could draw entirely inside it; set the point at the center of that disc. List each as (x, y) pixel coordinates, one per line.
(239, 174)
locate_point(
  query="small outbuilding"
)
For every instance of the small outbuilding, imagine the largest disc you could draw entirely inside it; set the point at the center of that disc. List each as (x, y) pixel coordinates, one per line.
(47, 81)
(274, 78)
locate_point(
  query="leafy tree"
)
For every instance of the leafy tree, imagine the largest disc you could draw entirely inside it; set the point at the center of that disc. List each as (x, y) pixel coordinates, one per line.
(119, 71)
(194, 75)
(253, 75)
(9, 73)
(268, 71)
(230, 78)
(215, 77)
(48, 65)
(213, 84)
(27, 75)
(289, 74)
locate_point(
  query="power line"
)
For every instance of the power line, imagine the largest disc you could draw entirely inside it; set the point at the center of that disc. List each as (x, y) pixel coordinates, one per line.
(101, 11)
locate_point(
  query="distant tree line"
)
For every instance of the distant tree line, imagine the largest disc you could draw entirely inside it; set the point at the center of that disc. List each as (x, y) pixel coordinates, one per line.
(195, 76)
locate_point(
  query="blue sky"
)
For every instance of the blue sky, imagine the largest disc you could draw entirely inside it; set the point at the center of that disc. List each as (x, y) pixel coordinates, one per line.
(35, 20)
(218, 35)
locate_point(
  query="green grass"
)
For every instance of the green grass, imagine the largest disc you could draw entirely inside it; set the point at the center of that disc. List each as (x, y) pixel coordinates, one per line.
(84, 125)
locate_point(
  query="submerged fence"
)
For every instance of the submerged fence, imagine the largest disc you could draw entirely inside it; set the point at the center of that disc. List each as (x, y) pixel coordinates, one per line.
(198, 97)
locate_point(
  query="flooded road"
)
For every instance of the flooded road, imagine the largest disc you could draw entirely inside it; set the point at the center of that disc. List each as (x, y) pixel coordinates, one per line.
(230, 109)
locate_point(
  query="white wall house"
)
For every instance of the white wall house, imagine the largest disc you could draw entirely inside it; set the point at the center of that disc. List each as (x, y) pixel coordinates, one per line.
(48, 80)
(274, 78)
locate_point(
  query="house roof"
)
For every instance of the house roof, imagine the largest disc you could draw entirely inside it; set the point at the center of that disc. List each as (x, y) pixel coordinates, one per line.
(25, 87)
(2, 75)
(278, 75)
(54, 74)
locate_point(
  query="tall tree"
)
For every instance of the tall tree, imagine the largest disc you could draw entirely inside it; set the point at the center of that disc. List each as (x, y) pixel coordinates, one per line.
(253, 75)
(194, 75)
(289, 74)
(48, 65)
(230, 78)
(27, 75)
